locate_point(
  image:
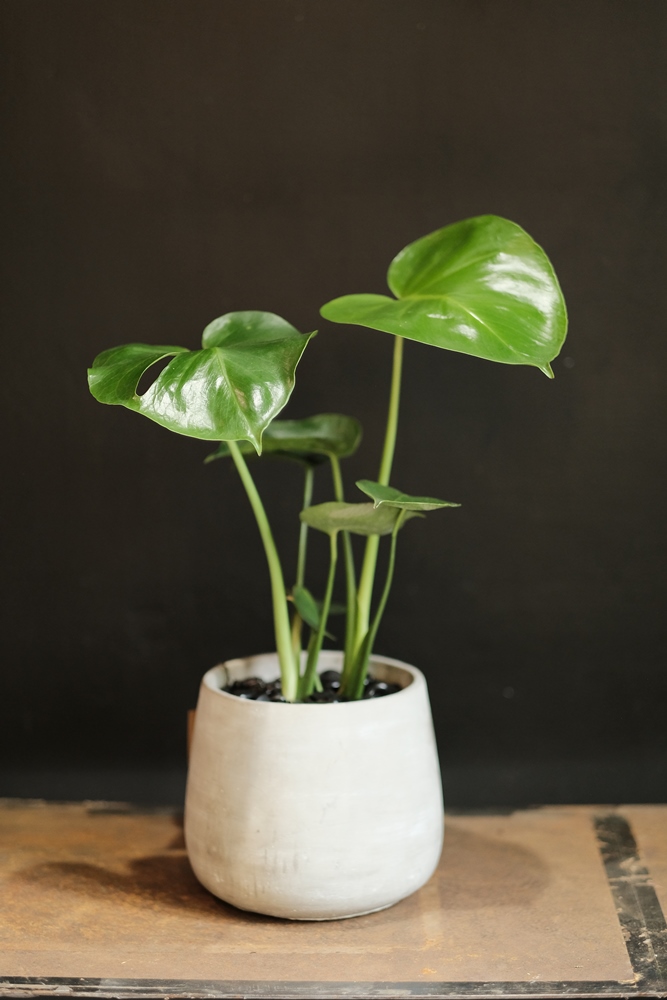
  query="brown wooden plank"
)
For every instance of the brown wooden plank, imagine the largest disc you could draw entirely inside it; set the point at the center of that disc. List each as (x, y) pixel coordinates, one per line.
(520, 898)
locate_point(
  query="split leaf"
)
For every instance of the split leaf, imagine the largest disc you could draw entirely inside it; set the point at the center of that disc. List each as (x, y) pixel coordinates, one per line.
(230, 390)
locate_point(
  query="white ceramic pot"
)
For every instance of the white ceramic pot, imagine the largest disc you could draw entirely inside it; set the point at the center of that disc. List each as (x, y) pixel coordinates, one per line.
(313, 812)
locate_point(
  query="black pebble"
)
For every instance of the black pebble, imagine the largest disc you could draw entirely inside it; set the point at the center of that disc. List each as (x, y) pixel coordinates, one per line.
(378, 689)
(255, 689)
(330, 680)
(325, 698)
(250, 688)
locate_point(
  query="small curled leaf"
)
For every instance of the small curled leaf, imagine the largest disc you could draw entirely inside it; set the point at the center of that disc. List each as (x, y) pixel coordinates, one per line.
(390, 497)
(309, 608)
(358, 518)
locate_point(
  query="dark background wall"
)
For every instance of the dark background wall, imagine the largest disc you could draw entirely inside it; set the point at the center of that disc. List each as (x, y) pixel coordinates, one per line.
(171, 160)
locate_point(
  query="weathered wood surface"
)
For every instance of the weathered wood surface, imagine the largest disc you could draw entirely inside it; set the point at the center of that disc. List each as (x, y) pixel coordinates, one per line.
(100, 901)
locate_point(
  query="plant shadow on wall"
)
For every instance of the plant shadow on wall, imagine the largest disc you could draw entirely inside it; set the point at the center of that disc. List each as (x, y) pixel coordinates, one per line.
(348, 734)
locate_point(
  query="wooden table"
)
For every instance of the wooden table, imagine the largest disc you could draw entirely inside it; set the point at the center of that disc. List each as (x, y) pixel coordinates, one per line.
(98, 900)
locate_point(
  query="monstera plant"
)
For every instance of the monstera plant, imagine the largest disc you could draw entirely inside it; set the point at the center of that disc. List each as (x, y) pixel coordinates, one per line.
(481, 287)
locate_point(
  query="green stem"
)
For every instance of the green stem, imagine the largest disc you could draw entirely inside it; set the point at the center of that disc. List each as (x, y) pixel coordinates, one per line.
(288, 668)
(365, 592)
(317, 682)
(308, 680)
(392, 415)
(350, 575)
(303, 533)
(361, 666)
(297, 620)
(337, 478)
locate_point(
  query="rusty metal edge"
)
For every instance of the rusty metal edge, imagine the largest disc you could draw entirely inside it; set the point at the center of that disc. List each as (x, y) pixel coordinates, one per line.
(637, 905)
(156, 989)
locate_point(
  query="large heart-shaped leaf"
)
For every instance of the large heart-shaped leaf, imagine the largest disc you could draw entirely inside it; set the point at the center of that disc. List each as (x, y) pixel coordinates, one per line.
(481, 287)
(311, 440)
(359, 518)
(389, 497)
(229, 391)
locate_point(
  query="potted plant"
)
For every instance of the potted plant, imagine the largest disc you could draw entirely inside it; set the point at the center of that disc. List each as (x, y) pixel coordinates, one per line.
(313, 788)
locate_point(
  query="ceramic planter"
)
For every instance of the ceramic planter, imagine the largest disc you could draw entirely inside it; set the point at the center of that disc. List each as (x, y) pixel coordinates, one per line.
(313, 812)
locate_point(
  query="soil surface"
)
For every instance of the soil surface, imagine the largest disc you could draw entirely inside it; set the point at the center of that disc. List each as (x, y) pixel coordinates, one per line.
(255, 689)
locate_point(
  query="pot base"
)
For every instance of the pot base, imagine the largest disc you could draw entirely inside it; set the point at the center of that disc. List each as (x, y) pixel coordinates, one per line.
(322, 920)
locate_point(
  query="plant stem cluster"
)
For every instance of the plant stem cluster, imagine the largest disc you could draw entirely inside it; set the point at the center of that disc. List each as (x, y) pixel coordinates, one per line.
(360, 628)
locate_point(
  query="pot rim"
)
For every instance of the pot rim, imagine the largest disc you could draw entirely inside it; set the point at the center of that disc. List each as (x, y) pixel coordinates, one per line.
(213, 678)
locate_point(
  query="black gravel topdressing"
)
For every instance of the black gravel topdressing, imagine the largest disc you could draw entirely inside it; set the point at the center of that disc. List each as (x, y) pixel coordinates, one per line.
(255, 689)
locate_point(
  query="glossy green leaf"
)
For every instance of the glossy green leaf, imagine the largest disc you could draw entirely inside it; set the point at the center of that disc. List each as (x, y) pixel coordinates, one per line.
(390, 497)
(311, 440)
(481, 287)
(359, 518)
(230, 390)
(309, 608)
(116, 373)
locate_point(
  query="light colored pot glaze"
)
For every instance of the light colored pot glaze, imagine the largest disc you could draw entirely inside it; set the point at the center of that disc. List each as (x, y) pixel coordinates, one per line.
(313, 812)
